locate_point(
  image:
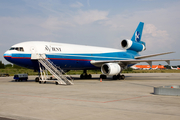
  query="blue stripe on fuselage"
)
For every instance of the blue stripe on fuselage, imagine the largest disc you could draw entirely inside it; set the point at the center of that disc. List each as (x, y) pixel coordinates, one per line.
(98, 56)
(69, 61)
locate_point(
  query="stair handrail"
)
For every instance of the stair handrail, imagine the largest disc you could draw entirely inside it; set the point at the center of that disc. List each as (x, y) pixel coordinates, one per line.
(56, 69)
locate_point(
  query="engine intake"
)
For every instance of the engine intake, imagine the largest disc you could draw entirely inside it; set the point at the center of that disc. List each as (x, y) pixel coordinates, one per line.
(133, 45)
(110, 69)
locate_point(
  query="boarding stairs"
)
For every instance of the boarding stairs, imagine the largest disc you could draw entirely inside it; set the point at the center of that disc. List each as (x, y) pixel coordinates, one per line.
(57, 72)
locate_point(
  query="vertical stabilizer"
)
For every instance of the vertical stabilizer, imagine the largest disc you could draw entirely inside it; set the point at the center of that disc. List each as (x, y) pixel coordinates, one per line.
(135, 44)
(138, 33)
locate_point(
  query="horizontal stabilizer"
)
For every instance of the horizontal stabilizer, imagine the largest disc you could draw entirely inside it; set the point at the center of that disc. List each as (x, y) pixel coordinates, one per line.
(153, 55)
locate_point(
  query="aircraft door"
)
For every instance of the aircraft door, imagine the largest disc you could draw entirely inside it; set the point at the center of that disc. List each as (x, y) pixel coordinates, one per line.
(34, 54)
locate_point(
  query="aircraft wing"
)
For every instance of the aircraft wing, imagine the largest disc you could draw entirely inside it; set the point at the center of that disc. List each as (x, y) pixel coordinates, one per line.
(153, 55)
(124, 63)
(138, 59)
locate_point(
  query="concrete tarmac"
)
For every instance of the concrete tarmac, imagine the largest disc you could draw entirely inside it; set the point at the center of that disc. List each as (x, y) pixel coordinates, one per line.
(127, 99)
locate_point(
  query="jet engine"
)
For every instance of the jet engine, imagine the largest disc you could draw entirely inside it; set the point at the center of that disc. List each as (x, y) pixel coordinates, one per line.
(110, 68)
(133, 45)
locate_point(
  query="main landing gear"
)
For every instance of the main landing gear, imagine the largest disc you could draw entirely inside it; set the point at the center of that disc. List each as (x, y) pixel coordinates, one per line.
(103, 76)
(120, 77)
(115, 77)
(85, 75)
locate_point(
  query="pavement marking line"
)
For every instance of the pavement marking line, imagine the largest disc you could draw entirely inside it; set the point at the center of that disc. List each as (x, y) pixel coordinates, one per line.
(77, 99)
(52, 98)
(127, 99)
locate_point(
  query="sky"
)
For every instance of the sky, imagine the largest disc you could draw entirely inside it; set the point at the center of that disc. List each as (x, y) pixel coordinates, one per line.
(102, 23)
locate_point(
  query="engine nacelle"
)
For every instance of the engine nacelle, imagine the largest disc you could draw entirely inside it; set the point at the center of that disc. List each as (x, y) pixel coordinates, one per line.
(133, 45)
(110, 68)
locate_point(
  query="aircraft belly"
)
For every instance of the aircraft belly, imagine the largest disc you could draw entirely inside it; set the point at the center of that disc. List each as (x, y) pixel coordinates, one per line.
(73, 64)
(24, 62)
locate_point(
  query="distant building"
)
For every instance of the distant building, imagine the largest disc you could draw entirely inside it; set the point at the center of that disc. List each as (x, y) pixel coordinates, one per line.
(147, 67)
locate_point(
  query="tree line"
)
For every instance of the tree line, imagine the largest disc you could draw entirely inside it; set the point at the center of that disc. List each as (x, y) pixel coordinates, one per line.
(9, 66)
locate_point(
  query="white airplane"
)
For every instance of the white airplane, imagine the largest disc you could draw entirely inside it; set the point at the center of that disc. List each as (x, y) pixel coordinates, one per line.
(135, 68)
(154, 68)
(81, 57)
(175, 68)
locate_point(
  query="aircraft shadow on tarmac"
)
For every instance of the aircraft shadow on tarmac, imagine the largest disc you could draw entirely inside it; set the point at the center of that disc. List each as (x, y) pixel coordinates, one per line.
(74, 78)
(128, 77)
(22, 81)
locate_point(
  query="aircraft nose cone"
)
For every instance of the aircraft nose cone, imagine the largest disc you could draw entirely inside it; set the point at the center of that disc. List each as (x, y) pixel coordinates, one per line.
(7, 56)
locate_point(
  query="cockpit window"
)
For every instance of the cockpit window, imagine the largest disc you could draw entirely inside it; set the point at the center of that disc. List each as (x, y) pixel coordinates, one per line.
(21, 49)
(17, 48)
(12, 48)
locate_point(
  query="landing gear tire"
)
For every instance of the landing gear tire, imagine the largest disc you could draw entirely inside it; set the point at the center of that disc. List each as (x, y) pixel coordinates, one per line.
(39, 82)
(118, 77)
(82, 76)
(122, 77)
(114, 77)
(103, 76)
(89, 76)
(57, 83)
(85, 75)
(37, 79)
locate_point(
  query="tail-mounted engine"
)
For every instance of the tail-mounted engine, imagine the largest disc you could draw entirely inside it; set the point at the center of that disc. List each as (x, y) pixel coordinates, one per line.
(133, 45)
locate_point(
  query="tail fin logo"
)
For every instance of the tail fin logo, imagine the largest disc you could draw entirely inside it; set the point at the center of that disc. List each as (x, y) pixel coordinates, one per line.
(137, 36)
